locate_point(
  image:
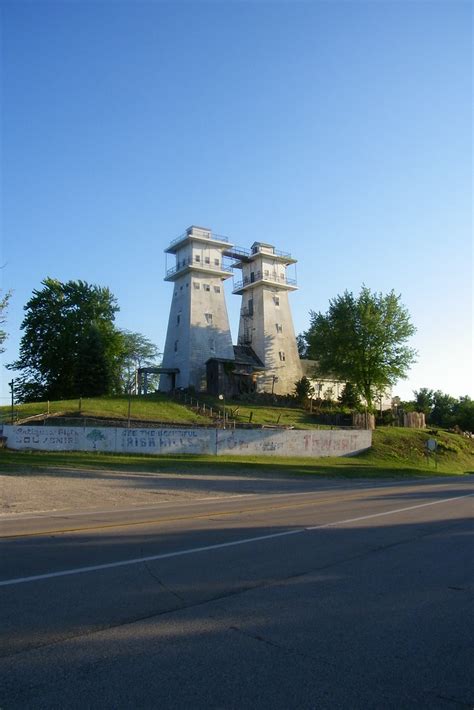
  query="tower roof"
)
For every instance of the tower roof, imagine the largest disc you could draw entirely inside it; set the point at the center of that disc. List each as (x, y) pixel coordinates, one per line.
(199, 234)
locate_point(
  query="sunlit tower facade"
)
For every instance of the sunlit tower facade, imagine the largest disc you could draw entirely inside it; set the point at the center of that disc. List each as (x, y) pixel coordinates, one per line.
(198, 326)
(266, 324)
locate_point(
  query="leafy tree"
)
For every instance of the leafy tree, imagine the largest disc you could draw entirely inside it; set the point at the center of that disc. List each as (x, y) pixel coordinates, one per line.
(3, 308)
(349, 397)
(70, 346)
(442, 413)
(304, 391)
(443, 410)
(93, 376)
(137, 351)
(362, 339)
(423, 401)
(464, 413)
(302, 346)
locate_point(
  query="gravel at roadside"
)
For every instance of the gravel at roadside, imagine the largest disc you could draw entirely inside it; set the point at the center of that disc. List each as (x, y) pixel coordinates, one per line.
(71, 489)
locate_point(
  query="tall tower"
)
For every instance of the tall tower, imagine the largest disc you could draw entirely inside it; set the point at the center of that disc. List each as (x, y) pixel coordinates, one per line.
(198, 326)
(266, 324)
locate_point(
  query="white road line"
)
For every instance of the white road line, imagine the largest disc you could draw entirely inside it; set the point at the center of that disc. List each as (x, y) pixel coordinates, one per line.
(388, 512)
(207, 548)
(150, 558)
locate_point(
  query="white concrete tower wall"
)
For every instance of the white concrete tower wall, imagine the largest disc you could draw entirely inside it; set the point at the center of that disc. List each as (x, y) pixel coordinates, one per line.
(266, 323)
(198, 326)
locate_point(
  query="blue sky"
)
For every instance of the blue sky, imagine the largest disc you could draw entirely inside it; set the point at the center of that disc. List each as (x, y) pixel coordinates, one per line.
(339, 131)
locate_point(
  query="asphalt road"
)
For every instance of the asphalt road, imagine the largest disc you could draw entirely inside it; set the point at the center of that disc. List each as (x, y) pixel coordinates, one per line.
(314, 595)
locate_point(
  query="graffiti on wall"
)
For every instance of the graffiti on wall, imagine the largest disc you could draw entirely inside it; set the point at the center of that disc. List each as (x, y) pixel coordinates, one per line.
(331, 443)
(190, 441)
(165, 440)
(45, 437)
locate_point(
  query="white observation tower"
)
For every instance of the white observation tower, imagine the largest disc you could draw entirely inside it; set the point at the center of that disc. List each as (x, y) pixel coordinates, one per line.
(266, 324)
(198, 326)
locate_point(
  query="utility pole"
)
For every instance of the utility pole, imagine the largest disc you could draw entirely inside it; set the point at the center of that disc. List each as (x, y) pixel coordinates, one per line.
(11, 384)
(129, 404)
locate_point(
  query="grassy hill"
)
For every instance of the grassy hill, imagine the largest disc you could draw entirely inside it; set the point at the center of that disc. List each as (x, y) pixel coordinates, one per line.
(162, 408)
(395, 452)
(156, 408)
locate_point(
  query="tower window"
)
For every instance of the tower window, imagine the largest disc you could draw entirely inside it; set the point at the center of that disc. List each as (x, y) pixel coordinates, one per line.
(197, 285)
(207, 260)
(178, 318)
(217, 289)
(281, 355)
(206, 287)
(197, 257)
(208, 317)
(176, 346)
(212, 344)
(250, 306)
(216, 262)
(279, 328)
(276, 300)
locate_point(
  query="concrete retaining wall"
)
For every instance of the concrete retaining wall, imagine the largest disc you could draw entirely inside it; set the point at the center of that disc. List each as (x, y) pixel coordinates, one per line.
(244, 442)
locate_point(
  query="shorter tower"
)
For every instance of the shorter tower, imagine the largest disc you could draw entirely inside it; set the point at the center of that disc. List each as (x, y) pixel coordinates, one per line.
(198, 326)
(266, 324)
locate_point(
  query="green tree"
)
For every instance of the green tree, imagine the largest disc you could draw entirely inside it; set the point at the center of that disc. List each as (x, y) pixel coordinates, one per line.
(423, 401)
(70, 346)
(443, 412)
(362, 339)
(464, 413)
(3, 308)
(349, 397)
(302, 346)
(93, 375)
(137, 351)
(304, 391)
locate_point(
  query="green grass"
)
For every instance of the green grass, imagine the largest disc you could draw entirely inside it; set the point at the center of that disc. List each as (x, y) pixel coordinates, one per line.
(156, 407)
(162, 408)
(395, 453)
(270, 416)
(395, 447)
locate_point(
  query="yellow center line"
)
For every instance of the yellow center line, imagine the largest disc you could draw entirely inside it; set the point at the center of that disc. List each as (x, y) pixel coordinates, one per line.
(199, 516)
